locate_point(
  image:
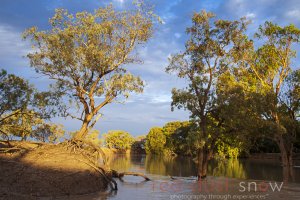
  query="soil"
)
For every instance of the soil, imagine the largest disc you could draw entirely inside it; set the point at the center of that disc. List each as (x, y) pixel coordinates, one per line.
(46, 171)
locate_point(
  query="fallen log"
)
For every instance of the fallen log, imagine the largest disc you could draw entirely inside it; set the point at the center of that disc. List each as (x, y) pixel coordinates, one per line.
(121, 175)
(116, 174)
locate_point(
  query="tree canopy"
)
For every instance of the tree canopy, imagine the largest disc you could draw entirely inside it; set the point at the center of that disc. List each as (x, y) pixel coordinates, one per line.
(120, 140)
(87, 54)
(24, 110)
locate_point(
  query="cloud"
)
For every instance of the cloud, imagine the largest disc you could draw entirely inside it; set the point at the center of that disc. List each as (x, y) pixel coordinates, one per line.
(119, 1)
(11, 42)
(152, 108)
(12, 49)
(293, 14)
(250, 15)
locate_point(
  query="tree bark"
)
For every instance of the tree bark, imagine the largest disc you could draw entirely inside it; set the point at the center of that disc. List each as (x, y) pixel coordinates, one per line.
(200, 163)
(286, 153)
(203, 158)
(83, 131)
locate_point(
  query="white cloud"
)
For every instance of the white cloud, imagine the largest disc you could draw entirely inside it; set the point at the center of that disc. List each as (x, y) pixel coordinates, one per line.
(293, 14)
(250, 15)
(120, 1)
(11, 44)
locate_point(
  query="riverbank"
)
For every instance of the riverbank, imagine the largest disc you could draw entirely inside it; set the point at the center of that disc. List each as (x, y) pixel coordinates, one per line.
(35, 170)
(272, 156)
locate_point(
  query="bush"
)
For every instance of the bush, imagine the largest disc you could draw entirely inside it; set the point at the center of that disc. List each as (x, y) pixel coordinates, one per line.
(155, 141)
(120, 140)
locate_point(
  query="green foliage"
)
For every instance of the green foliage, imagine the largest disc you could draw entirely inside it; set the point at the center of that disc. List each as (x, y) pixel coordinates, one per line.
(155, 141)
(264, 145)
(211, 42)
(170, 130)
(227, 151)
(178, 137)
(260, 94)
(181, 138)
(23, 110)
(87, 53)
(15, 92)
(48, 132)
(118, 139)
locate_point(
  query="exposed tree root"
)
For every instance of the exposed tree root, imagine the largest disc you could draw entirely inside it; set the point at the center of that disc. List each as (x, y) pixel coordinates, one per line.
(82, 151)
(112, 183)
(93, 153)
(10, 149)
(87, 149)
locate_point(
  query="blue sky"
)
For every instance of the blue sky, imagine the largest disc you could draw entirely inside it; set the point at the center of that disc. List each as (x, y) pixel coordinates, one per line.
(152, 108)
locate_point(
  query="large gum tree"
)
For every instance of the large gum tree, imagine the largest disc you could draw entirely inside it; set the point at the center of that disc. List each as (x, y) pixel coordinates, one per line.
(86, 55)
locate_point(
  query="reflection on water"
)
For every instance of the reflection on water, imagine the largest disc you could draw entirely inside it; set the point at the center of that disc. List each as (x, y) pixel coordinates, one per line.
(226, 176)
(169, 166)
(224, 180)
(232, 168)
(185, 167)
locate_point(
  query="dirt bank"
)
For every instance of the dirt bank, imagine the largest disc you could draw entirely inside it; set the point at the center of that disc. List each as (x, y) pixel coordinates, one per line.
(35, 170)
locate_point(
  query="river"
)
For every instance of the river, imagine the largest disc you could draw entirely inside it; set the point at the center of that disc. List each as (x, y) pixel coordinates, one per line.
(174, 178)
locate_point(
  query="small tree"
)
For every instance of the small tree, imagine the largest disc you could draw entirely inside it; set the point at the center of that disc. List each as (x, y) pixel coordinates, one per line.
(48, 132)
(120, 140)
(155, 141)
(22, 108)
(87, 53)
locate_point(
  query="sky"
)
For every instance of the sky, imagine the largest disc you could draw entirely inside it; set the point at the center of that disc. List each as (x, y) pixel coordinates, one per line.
(153, 107)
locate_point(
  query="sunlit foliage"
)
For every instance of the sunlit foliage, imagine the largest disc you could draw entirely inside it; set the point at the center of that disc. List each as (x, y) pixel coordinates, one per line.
(24, 110)
(118, 139)
(211, 41)
(155, 141)
(87, 54)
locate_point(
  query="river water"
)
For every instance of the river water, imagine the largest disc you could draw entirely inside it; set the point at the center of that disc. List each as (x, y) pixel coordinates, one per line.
(174, 178)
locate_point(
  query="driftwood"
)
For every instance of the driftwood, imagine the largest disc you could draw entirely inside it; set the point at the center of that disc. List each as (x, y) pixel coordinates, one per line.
(183, 178)
(121, 175)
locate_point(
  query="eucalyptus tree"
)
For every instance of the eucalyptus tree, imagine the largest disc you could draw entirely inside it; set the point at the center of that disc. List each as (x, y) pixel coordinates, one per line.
(271, 71)
(87, 54)
(268, 86)
(15, 93)
(272, 67)
(289, 115)
(23, 108)
(203, 61)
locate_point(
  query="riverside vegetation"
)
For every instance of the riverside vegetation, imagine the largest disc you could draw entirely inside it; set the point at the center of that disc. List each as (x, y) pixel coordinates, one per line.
(243, 96)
